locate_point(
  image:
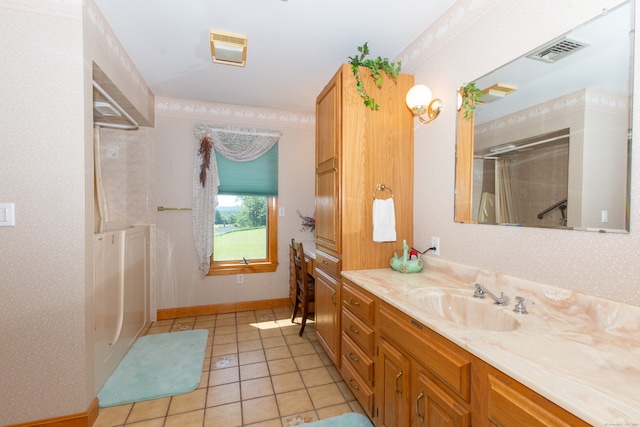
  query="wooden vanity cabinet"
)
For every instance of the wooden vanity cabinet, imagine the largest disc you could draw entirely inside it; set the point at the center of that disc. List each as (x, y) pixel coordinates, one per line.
(358, 344)
(427, 379)
(327, 305)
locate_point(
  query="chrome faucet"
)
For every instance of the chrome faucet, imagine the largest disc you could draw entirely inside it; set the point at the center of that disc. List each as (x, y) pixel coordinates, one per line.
(481, 292)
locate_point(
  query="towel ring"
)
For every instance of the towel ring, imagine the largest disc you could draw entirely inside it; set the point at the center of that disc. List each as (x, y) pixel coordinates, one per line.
(381, 187)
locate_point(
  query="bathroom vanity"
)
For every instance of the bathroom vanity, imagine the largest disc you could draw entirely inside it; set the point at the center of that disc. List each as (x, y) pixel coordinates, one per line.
(419, 349)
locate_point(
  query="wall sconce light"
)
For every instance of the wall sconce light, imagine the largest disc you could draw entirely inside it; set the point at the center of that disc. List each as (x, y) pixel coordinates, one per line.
(420, 101)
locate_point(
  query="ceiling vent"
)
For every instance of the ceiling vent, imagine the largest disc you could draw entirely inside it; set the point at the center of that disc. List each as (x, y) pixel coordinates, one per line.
(557, 50)
(104, 109)
(228, 48)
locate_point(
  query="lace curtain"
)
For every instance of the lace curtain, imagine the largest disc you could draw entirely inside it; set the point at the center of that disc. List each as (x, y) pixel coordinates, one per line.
(236, 144)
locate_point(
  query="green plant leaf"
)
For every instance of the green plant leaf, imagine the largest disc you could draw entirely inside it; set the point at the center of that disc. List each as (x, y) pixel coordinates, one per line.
(376, 66)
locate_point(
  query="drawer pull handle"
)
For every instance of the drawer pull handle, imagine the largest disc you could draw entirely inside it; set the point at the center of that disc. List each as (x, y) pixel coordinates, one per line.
(333, 297)
(416, 324)
(420, 396)
(397, 389)
(355, 386)
(354, 358)
(354, 330)
(354, 302)
(325, 262)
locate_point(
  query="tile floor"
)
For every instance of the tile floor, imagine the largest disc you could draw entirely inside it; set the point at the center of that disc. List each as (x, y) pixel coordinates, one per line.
(257, 372)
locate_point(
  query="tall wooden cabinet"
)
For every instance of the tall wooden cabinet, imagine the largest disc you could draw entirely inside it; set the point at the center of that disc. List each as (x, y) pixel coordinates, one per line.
(356, 150)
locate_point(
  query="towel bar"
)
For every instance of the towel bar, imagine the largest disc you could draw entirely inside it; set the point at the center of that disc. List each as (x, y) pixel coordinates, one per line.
(381, 187)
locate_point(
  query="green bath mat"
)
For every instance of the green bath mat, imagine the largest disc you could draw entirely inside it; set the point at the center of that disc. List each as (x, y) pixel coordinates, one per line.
(350, 419)
(157, 366)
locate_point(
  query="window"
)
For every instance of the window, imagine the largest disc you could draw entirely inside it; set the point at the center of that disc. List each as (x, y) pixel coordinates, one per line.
(245, 231)
(245, 235)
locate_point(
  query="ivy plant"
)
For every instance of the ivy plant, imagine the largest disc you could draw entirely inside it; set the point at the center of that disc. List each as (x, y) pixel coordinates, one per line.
(471, 96)
(377, 66)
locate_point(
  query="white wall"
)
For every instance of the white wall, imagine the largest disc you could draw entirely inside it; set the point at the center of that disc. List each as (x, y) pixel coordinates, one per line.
(43, 259)
(471, 39)
(178, 280)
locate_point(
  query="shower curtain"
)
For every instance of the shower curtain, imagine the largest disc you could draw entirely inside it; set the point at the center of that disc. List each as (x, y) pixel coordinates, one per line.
(505, 201)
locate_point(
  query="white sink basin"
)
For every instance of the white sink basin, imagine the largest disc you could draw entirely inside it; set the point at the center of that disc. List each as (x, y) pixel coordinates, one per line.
(467, 311)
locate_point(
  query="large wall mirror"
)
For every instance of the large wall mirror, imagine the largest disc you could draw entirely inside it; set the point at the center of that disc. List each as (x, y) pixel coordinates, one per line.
(549, 145)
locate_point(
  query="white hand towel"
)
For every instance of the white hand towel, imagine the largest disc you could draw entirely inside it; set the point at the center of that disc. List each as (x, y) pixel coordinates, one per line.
(384, 221)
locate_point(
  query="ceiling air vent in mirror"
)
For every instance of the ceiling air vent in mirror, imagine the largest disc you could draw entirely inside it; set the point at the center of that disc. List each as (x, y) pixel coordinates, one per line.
(557, 50)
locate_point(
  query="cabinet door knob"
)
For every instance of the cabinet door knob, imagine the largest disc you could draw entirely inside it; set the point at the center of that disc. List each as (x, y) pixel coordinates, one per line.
(354, 330)
(420, 396)
(355, 386)
(354, 302)
(354, 358)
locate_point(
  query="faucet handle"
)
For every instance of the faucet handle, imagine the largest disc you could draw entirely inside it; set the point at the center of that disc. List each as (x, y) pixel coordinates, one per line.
(479, 292)
(520, 307)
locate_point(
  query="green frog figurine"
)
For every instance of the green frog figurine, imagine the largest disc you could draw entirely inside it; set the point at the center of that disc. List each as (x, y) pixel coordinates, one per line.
(405, 264)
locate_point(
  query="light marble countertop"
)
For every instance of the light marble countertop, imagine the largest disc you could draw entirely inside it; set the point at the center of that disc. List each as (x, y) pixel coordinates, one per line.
(581, 352)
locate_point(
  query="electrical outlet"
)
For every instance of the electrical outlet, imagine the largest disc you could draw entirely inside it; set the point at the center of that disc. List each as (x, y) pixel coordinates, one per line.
(240, 278)
(435, 243)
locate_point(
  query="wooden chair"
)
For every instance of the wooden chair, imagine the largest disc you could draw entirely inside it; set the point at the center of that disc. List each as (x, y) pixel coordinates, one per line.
(305, 285)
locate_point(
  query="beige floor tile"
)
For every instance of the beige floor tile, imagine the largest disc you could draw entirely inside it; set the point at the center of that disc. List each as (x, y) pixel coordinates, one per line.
(246, 336)
(207, 317)
(277, 353)
(229, 415)
(219, 350)
(344, 389)
(356, 407)
(290, 330)
(269, 423)
(334, 373)
(316, 376)
(193, 418)
(333, 411)
(226, 361)
(258, 387)
(254, 370)
(326, 395)
(226, 321)
(282, 366)
(225, 329)
(154, 330)
(248, 357)
(270, 333)
(294, 402)
(224, 339)
(302, 349)
(295, 339)
(222, 394)
(246, 327)
(200, 324)
(166, 322)
(273, 342)
(149, 409)
(308, 361)
(249, 345)
(113, 416)
(187, 402)
(246, 319)
(156, 422)
(287, 382)
(298, 419)
(260, 409)
(224, 376)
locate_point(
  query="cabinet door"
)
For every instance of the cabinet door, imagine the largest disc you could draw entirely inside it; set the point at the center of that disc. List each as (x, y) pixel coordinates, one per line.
(393, 392)
(327, 166)
(433, 406)
(327, 315)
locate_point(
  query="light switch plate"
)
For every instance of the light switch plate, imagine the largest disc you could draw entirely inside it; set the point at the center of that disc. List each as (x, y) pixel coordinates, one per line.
(7, 215)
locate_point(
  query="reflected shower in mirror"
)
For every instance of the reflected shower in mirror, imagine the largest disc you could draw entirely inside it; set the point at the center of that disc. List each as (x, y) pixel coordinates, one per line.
(549, 144)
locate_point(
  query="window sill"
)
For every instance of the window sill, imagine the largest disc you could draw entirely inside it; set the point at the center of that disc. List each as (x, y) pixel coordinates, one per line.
(220, 269)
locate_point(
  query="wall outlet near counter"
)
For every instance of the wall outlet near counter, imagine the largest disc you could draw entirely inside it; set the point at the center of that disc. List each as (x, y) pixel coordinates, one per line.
(435, 243)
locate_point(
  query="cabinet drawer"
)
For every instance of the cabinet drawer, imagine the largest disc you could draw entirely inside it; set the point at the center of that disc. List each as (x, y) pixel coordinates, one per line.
(358, 387)
(449, 363)
(358, 360)
(359, 303)
(359, 332)
(328, 264)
